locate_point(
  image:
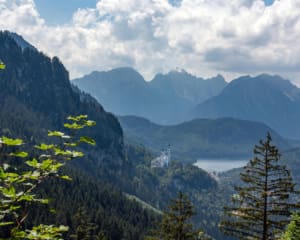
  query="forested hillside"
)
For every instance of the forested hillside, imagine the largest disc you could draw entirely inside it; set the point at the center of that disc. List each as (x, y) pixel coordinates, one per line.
(199, 138)
(36, 96)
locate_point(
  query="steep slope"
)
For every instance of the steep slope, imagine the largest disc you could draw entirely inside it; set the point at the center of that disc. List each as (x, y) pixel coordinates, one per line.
(268, 99)
(41, 86)
(94, 207)
(165, 100)
(200, 138)
(36, 96)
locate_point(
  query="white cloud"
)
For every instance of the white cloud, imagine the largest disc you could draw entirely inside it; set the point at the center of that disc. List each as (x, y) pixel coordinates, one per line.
(20, 16)
(85, 17)
(204, 37)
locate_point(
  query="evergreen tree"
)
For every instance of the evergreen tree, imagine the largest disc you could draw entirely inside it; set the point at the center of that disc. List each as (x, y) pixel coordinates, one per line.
(262, 208)
(175, 223)
(83, 228)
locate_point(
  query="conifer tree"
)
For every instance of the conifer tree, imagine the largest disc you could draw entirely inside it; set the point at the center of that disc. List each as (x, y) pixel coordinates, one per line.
(83, 228)
(175, 222)
(262, 208)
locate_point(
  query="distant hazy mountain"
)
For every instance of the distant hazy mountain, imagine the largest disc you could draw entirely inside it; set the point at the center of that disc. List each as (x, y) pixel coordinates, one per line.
(268, 99)
(182, 85)
(166, 99)
(200, 138)
(121, 91)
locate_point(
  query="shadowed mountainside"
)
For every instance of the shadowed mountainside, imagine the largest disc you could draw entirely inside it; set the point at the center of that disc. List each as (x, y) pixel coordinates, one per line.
(199, 138)
(268, 99)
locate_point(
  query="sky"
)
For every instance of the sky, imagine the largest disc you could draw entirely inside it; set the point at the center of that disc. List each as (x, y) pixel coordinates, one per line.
(204, 37)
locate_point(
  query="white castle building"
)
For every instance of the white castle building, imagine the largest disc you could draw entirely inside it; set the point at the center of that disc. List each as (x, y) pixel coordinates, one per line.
(163, 160)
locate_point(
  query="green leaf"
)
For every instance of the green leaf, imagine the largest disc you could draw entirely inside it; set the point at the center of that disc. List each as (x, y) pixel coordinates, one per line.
(42, 201)
(90, 123)
(71, 144)
(46, 163)
(5, 223)
(73, 154)
(32, 175)
(9, 192)
(2, 65)
(3, 175)
(12, 175)
(11, 141)
(73, 126)
(32, 163)
(19, 154)
(44, 146)
(52, 210)
(65, 177)
(76, 154)
(14, 208)
(45, 232)
(58, 151)
(27, 198)
(77, 118)
(57, 134)
(63, 228)
(88, 140)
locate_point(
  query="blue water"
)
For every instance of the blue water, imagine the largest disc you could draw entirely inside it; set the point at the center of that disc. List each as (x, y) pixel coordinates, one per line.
(220, 165)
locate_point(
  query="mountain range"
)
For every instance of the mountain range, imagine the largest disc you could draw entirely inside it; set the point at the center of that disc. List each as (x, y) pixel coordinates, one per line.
(268, 99)
(166, 99)
(200, 138)
(179, 96)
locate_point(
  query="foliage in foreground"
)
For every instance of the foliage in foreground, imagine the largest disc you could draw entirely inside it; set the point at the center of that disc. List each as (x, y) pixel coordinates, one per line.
(18, 183)
(293, 230)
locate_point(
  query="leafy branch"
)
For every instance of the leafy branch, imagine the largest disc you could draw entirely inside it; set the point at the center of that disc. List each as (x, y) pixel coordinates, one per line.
(17, 185)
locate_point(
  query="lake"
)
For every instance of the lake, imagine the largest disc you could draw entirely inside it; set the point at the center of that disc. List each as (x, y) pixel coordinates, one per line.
(220, 165)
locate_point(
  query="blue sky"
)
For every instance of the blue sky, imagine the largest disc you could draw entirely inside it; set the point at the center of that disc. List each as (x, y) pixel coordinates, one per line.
(269, 2)
(204, 37)
(61, 11)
